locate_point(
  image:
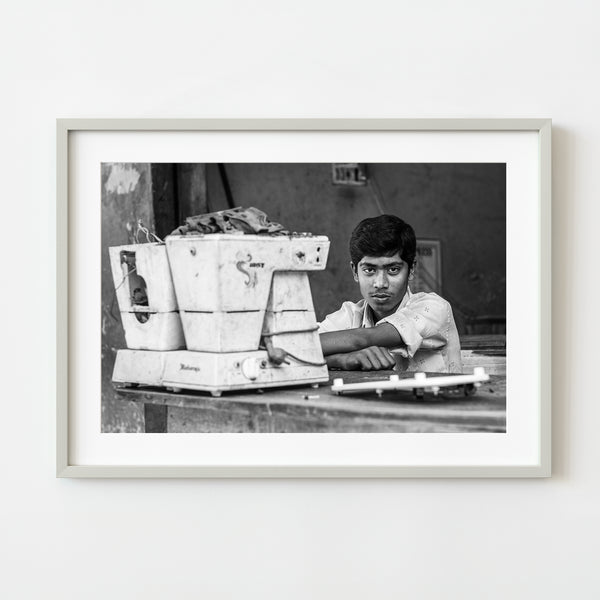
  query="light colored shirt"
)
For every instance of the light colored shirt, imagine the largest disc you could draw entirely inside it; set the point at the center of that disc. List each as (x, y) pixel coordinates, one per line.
(425, 324)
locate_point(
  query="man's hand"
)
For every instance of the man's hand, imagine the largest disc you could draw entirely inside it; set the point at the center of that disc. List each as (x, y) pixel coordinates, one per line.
(373, 358)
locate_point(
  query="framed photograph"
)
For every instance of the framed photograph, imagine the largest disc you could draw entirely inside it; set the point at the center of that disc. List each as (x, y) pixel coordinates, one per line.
(303, 298)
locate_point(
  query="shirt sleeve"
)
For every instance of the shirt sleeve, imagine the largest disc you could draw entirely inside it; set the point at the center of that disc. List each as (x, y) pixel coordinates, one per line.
(341, 319)
(423, 323)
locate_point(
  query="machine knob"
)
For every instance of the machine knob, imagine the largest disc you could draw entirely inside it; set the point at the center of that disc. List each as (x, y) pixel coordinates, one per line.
(250, 368)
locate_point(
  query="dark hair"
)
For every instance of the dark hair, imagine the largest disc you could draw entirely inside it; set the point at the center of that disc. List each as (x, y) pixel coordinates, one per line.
(383, 236)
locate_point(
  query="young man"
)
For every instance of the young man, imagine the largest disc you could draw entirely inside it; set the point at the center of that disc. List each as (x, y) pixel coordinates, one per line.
(390, 327)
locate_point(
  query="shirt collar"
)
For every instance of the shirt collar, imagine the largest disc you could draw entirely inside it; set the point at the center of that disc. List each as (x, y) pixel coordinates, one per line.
(368, 319)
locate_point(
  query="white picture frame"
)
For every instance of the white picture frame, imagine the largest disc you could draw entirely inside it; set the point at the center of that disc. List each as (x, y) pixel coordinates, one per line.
(538, 462)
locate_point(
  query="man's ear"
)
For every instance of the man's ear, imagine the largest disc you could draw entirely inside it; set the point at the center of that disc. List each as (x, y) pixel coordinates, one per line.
(354, 273)
(411, 273)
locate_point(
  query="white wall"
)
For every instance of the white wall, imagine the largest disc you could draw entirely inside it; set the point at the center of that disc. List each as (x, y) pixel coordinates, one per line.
(296, 539)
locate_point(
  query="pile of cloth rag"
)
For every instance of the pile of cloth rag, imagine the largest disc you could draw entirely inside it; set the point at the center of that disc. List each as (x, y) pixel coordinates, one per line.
(234, 220)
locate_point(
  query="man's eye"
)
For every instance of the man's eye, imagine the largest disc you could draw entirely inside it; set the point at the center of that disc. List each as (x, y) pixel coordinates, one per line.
(368, 270)
(394, 270)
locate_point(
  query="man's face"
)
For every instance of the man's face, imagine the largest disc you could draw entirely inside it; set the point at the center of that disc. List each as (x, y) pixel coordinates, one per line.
(383, 281)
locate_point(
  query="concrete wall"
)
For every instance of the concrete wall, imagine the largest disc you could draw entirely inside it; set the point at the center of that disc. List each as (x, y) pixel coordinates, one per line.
(463, 205)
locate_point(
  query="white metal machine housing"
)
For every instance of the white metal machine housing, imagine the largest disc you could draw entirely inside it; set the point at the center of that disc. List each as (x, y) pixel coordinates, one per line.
(233, 296)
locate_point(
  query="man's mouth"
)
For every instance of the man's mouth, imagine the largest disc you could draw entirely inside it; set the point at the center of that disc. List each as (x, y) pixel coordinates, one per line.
(381, 296)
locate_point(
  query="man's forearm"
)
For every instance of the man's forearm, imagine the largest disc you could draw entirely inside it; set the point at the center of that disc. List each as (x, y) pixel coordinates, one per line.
(347, 340)
(351, 340)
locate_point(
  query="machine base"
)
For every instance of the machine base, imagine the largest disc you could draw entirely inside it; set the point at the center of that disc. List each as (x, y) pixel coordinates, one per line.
(212, 372)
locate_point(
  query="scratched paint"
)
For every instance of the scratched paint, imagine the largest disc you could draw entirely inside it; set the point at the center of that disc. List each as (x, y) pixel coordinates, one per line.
(122, 179)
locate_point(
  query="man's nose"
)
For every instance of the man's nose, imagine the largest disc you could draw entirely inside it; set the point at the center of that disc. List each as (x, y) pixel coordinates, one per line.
(381, 280)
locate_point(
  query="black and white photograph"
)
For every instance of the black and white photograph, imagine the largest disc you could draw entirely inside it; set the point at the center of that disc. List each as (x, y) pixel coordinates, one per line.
(300, 300)
(303, 297)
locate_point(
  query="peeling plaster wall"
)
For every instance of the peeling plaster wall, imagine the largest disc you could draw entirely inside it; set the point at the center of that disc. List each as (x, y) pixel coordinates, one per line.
(126, 198)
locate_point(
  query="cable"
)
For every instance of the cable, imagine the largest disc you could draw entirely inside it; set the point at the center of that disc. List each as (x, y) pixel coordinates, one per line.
(275, 352)
(296, 358)
(272, 333)
(305, 362)
(377, 195)
(226, 186)
(114, 294)
(146, 232)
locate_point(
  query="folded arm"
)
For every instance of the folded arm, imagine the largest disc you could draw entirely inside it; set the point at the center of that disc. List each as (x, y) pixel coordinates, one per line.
(352, 340)
(373, 358)
(365, 348)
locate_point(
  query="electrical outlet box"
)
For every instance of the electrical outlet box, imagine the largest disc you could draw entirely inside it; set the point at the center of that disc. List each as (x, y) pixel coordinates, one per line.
(348, 174)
